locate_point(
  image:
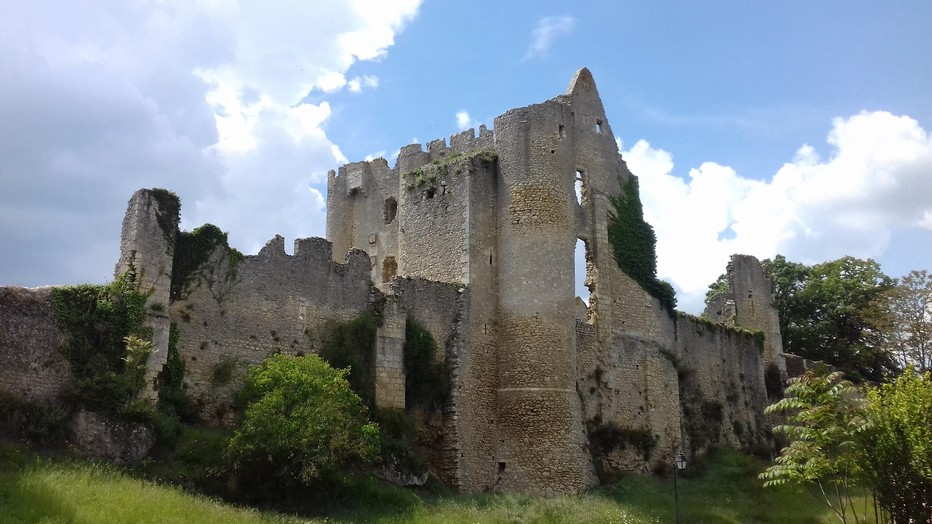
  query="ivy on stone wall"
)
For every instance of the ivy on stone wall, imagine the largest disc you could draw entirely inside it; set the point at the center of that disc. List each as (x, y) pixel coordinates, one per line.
(427, 383)
(192, 252)
(169, 212)
(634, 244)
(173, 400)
(352, 344)
(96, 321)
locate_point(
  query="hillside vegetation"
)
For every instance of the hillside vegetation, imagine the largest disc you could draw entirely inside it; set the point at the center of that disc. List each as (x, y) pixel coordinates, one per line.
(724, 490)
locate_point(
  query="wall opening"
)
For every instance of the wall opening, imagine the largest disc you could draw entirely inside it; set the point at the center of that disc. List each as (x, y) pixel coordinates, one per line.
(581, 279)
(579, 186)
(598, 126)
(430, 192)
(562, 131)
(389, 269)
(391, 209)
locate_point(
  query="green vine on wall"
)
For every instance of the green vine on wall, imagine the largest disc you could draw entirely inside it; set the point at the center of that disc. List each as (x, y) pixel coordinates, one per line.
(634, 244)
(427, 383)
(352, 345)
(189, 266)
(96, 321)
(168, 214)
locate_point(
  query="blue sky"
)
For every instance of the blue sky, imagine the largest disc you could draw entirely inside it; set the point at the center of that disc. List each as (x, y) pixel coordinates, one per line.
(762, 127)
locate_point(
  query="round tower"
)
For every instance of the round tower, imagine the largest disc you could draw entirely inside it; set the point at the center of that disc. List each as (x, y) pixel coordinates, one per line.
(541, 441)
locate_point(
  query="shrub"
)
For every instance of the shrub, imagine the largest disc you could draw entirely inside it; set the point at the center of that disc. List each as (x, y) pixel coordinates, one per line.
(302, 422)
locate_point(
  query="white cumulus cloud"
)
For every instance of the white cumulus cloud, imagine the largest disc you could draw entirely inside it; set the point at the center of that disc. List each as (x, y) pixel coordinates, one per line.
(546, 31)
(875, 181)
(203, 98)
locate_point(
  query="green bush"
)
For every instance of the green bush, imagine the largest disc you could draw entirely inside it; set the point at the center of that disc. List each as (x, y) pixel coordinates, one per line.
(302, 422)
(897, 446)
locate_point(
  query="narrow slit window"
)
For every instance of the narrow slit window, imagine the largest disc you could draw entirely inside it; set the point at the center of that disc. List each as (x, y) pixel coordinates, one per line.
(598, 126)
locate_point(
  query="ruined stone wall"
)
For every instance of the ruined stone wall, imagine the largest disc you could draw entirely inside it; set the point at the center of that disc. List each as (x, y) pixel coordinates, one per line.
(440, 308)
(147, 244)
(722, 385)
(32, 366)
(274, 302)
(748, 304)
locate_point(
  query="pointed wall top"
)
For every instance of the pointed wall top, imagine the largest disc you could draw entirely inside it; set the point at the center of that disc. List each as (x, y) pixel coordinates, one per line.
(581, 80)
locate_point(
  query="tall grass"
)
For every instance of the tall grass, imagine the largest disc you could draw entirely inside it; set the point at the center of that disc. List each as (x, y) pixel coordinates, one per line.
(723, 490)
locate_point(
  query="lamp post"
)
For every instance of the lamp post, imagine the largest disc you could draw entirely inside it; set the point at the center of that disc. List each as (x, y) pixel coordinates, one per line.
(680, 463)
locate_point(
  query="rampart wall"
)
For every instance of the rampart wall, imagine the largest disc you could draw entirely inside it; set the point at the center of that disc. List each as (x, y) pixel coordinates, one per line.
(274, 302)
(32, 366)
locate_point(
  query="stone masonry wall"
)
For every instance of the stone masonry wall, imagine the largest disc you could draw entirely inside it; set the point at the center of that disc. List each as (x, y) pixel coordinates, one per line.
(32, 366)
(440, 308)
(722, 386)
(277, 302)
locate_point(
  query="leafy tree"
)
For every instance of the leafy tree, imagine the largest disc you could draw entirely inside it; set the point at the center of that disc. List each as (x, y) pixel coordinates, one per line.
(717, 288)
(302, 422)
(824, 414)
(834, 312)
(897, 446)
(908, 334)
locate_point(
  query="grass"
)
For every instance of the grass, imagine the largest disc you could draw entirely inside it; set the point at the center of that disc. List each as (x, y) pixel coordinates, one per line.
(723, 490)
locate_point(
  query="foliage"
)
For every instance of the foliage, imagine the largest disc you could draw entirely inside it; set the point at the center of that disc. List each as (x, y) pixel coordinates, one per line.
(224, 372)
(833, 312)
(398, 431)
(428, 383)
(173, 400)
(825, 414)
(34, 422)
(908, 332)
(192, 252)
(302, 422)
(168, 214)
(351, 345)
(634, 244)
(719, 287)
(97, 321)
(897, 446)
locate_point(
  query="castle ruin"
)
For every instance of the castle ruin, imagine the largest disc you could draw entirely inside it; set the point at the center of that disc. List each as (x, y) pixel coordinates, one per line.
(475, 241)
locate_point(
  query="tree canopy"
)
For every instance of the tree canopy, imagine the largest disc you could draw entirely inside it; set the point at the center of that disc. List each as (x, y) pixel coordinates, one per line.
(842, 438)
(908, 332)
(835, 312)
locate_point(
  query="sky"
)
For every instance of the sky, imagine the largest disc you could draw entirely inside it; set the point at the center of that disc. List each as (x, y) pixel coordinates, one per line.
(797, 128)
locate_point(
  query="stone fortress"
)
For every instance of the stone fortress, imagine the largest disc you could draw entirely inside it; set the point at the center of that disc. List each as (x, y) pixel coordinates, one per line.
(473, 240)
